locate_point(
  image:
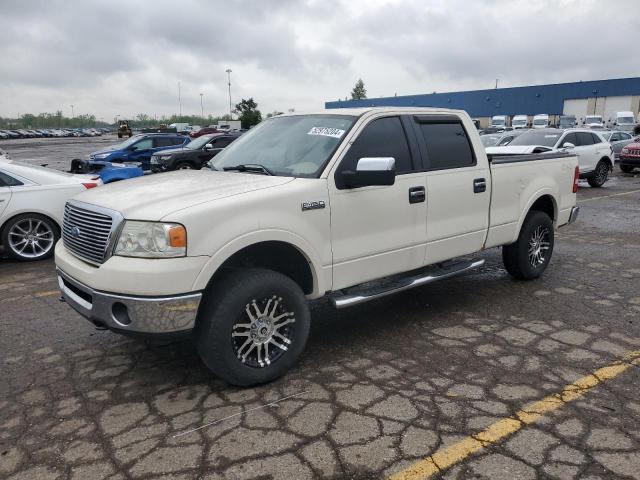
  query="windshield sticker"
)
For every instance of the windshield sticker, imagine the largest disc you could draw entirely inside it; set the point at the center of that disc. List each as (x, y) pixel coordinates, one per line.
(326, 132)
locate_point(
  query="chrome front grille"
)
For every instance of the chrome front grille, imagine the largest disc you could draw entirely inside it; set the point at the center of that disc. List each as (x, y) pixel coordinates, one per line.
(86, 233)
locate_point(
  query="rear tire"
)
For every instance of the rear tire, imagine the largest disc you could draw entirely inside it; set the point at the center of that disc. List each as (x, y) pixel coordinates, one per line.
(529, 256)
(626, 168)
(253, 326)
(600, 175)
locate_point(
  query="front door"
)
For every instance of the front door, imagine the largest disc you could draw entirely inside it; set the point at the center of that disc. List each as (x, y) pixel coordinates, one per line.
(378, 230)
(458, 188)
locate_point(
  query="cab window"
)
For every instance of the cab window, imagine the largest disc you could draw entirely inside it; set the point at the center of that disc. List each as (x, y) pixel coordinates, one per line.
(383, 137)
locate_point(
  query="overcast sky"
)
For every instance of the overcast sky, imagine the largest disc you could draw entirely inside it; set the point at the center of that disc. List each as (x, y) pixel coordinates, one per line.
(124, 57)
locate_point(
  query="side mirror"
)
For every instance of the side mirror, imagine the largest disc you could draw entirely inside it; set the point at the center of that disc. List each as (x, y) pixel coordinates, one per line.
(133, 148)
(568, 145)
(371, 171)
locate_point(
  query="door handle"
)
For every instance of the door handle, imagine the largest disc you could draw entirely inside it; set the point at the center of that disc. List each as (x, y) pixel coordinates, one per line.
(479, 185)
(417, 195)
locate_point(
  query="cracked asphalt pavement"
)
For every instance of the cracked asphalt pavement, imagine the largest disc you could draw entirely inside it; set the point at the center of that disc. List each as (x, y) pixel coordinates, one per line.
(380, 387)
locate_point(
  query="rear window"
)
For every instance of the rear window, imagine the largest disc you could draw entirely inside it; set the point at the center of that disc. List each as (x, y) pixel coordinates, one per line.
(447, 145)
(596, 138)
(8, 181)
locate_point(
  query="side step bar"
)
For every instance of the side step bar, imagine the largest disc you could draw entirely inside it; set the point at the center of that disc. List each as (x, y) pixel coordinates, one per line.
(360, 294)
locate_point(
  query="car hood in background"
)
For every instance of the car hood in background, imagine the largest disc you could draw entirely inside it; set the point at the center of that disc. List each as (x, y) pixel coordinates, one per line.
(155, 196)
(173, 151)
(515, 149)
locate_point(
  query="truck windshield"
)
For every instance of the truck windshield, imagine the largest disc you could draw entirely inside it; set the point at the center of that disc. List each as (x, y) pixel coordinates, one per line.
(545, 138)
(625, 120)
(291, 146)
(497, 122)
(539, 121)
(516, 123)
(593, 120)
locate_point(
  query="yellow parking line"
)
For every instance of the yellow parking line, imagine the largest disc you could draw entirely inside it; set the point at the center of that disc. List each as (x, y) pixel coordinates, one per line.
(49, 293)
(608, 196)
(453, 454)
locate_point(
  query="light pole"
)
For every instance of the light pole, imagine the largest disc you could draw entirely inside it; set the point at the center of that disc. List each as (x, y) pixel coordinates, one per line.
(201, 107)
(72, 115)
(179, 102)
(228, 70)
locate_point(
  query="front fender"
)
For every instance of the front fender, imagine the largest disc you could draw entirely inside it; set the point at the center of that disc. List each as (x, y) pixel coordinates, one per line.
(321, 275)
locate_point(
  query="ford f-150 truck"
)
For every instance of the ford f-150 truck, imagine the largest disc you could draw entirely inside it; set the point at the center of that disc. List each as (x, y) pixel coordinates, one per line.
(350, 205)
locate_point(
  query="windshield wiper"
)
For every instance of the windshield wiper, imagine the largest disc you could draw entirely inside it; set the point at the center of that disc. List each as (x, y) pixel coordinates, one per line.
(250, 167)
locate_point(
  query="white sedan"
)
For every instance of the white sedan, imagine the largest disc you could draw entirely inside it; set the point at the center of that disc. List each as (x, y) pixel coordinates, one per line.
(32, 200)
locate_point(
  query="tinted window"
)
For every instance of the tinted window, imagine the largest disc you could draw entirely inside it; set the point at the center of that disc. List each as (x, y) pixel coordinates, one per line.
(7, 181)
(168, 141)
(383, 137)
(447, 145)
(596, 138)
(624, 136)
(570, 138)
(145, 144)
(222, 142)
(614, 137)
(583, 139)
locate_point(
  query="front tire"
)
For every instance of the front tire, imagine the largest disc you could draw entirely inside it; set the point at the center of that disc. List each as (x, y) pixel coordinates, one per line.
(529, 256)
(626, 168)
(253, 326)
(30, 237)
(184, 166)
(600, 175)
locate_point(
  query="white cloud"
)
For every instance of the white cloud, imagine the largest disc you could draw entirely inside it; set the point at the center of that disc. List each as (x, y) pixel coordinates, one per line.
(122, 57)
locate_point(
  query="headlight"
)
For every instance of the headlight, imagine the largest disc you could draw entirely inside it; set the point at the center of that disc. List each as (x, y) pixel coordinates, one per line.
(152, 240)
(101, 155)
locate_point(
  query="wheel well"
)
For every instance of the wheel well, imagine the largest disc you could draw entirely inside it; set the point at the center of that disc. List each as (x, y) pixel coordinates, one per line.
(281, 257)
(608, 160)
(545, 204)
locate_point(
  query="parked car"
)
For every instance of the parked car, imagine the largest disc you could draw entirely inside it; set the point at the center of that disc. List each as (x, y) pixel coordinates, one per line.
(491, 130)
(3, 135)
(594, 153)
(622, 121)
(204, 131)
(630, 157)
(618, 140)
(304, 206)
(32, 201)
(520, 121)
(194, 155)
(500, 139)
(593, 121)
(107, 171)
(541, 121)
(567, 121)
(139, 148)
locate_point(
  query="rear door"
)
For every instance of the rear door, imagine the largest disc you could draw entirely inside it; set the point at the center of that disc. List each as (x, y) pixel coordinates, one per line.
(458, 188)
(586, 151)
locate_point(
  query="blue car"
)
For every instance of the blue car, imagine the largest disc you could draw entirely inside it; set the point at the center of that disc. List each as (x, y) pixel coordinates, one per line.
(139, 148)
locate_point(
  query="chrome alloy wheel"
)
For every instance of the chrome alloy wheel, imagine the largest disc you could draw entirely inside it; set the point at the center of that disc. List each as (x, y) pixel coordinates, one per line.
(538, 246)
(31, 238)
(267, 334)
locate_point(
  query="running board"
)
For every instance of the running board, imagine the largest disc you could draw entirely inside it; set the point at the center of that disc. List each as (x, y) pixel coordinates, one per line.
(371, 290)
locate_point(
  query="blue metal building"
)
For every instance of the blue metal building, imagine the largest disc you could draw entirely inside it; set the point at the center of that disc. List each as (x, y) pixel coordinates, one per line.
(529, 100)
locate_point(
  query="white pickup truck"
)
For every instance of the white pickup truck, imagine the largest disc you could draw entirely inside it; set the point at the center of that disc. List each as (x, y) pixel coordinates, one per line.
(349, 204)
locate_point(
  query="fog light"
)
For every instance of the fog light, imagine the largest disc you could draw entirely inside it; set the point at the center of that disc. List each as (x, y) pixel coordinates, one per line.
(120, 314)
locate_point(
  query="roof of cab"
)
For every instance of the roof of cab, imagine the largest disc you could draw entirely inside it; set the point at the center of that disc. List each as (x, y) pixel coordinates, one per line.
(356, 112)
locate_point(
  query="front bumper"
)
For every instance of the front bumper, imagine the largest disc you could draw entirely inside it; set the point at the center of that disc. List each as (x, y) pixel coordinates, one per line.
(629, 160)
(127, 314)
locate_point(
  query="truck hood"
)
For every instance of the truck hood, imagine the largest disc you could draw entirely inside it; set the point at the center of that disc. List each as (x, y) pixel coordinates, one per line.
(155, 196)
(516, 150)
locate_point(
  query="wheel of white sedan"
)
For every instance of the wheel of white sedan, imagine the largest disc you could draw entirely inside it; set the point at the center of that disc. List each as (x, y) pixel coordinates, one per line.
(253, 327)
(30, 237)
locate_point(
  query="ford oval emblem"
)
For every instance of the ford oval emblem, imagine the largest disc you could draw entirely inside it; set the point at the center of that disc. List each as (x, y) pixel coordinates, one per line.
(75, 232)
